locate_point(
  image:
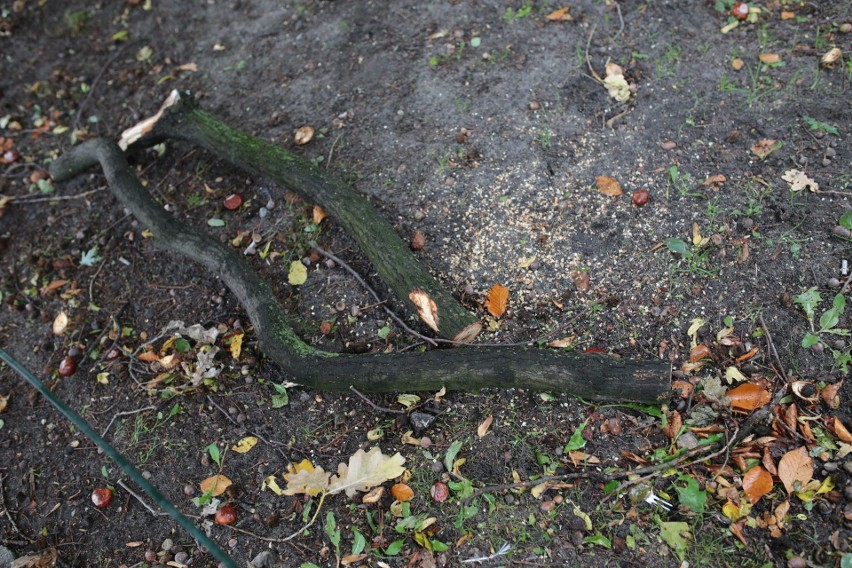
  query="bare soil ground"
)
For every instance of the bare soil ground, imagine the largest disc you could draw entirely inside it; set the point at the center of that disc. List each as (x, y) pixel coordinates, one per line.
(481, 125)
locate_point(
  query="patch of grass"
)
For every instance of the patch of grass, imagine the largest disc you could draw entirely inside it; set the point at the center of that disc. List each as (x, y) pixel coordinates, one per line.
(76, 21)
(665, 66)
(510, 15)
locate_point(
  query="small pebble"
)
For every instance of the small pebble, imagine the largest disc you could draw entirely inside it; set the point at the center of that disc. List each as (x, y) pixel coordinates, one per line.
(830, 152)
(188, 490)
(329, 263)
(826, 161)
(355, 311)
(833, 283)
(181, 557)
(419, 215)
(669, 145)
(747, 223)
(263, 212)
(146, 474)
(803, 160)
(167, 545)
(150, 555)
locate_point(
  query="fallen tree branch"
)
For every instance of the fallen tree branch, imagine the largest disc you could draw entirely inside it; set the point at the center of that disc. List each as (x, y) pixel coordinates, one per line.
(181, 118)
(591, 376)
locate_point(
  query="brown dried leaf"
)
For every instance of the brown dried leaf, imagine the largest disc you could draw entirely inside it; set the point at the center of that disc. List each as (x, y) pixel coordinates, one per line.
(402, 492)
(795, 466)
(482, 430)
(319, 214)
(737, 64)
(215, 484)
(748, 396)
(831, 57)
(674, 425)
(698, 352)
(418, 240)
(737, 530)
(55, 285)
(564, 342)
(763, 148)
(769, 58)
(715, 182)
(426, 308)
(685, 388)
(757, 482)
(496, 300)
(791, 417)
(830, 395)
(608, 186)
(304, 135)
(768, 463)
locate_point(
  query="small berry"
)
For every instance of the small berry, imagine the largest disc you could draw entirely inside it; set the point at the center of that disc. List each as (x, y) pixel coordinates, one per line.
(226, 515)
(233, 201)
(67, 367)
(641, 197)
(102, 497)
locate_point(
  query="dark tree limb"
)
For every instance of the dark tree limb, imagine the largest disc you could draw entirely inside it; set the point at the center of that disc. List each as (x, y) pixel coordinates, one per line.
(594, 377)
(182, 118)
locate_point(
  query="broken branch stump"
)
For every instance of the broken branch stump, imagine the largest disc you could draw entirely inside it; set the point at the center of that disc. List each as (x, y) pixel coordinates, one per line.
(594, 377)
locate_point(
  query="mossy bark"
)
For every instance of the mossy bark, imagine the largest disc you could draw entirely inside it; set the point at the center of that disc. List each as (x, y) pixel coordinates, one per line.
(594, 377)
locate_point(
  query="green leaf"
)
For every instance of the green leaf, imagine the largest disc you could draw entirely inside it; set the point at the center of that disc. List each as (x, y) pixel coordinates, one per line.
(394, 547)
(676, 535)
(678, 246)
(437, 545)
(281, 398)
(214, 222)
(692, 496)
(90, 257)
(846, 560)
(181, 345)
(332, 532)
(809, 340)
(809, 300)
(384, 332)
(599, 540)
(823, 126)
(308, 565)
(298, 274)
(359, 542)
(577, 441)
(452, 452)
(213, 450)
(846, 220)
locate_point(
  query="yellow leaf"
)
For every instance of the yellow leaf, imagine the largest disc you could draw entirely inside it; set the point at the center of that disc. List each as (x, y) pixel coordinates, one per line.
(215, 485)
(375, 434)
(272, 484)
(103, 378)
(496, 300)
(236, 344)
(319, 214)
(426, 308)
(586, 518)
(298, 274)
(539, 489)
(408, 400)
(692, 332)
(733, 374)
(244, 445)
(731, 511)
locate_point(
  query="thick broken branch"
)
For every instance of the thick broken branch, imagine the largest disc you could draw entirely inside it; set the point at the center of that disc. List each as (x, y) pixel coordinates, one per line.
(589, 376)
(182, 118)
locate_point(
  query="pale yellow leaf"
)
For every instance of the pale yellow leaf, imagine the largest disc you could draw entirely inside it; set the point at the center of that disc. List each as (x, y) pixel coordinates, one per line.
(365, 471)
(733, 374)
(483, 428)
(692, 332)
(426, 308)
(60, 323)
(244, 445)
(272, 484)
(298, 274)
(304, 478)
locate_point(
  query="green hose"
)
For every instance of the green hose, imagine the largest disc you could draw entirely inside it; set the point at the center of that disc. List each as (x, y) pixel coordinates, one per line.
(131, 471)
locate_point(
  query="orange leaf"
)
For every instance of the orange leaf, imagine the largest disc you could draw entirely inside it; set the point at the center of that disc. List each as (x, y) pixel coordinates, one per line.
(715, 181)
(770, 58)
(560, 15)
(698, 352)
(496, 300)
(757, 482)
(788, 15)
(672, 429)
(608, 186)
(840, 430)
(737, 530)
(830, 395)
(768, 463)
(319, 214)
(763, 148)
(795, 466)
(748, 396)
(48, 288)
(791, 417)
(215, 484)
(482, 430)
(748, 355)
(402, 492)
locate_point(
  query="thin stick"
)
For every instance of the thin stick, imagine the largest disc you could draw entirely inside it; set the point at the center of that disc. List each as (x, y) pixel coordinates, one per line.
(373, 293)
(95, 84)
(620, 19)
(588, 62)
(26, 199)
(374, 405)
(126, 413)
(531, 482)
(142, 501)
(773, 351)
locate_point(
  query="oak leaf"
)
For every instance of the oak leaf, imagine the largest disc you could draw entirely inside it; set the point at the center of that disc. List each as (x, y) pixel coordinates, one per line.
(496, 300)
(365, 471)
(215, 484)
(305, 478)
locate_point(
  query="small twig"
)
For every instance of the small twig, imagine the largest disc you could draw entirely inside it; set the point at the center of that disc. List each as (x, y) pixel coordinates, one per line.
(773, 351)
(529, 483)
(620, 19)
(27, 199)
(503, 550)
(92, 281)
(142, 501)
(331, 151)
(373, 293)
(95, 84)
(125, 413)
(5, 510)
(588, 61)
(374, 405)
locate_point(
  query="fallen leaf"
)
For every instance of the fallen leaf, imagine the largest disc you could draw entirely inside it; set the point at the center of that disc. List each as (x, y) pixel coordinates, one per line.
(737, 530)
(748, 355)
(692, 332)
(733, 374)
(831, 57)
(319, 214)
(418, 241)
(402, 492)
(799, 181)
(496, 300)
(352, 559)
(796, 466)
(365, 471)
(608, 186)
(737, 64)
(560, 15)
(672, 429)
(48, 288)
(482, 430)
(840, 430)
(698, 352)
(272, 484)
(215, 485)
(564, 342)
(769, 58)
(244, 445)
(305, 478)
(582, 281)
(304, 135)
(373, 496)
(298, 273)
(757, 482)
(831, 395)
(748, 396)
(616, 85)
(426, 308)
(787, 15)
(60, 323)
(715, 182)
(763, 148)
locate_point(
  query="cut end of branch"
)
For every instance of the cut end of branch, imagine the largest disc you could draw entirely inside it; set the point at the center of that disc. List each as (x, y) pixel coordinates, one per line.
(426, 308)
(142, 128)
(469, 333)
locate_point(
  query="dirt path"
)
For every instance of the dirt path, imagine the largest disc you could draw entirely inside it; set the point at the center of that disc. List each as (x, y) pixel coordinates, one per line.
(482, 126)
